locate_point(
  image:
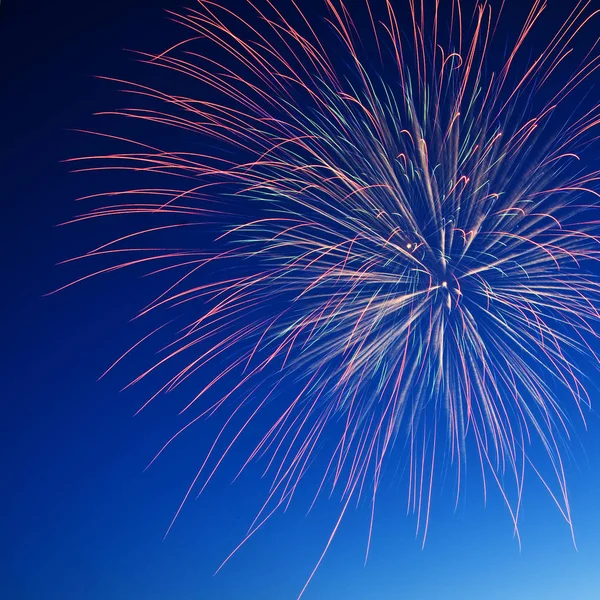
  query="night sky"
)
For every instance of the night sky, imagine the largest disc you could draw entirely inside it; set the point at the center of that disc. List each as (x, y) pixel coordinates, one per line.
(85, 521)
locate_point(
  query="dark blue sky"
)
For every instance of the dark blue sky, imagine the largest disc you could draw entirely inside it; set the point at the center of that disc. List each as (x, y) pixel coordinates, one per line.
(84, 519)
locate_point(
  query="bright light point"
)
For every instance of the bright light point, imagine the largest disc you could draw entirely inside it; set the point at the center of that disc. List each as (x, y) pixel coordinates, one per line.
(409, 245)
(444, 284)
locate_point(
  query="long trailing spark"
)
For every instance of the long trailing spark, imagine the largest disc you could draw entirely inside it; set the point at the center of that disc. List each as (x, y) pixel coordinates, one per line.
(403, 249)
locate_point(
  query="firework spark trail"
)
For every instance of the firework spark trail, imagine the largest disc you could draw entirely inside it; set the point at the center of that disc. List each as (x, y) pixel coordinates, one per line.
(417, 263)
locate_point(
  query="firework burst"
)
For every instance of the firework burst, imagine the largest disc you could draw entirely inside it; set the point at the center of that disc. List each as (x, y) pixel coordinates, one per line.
(403, 242)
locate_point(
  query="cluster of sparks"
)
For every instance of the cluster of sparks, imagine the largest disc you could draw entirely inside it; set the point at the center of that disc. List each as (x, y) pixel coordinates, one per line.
(403, 243)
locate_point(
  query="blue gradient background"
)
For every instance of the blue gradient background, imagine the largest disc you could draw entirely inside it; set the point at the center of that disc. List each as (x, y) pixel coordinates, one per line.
(84, 521)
